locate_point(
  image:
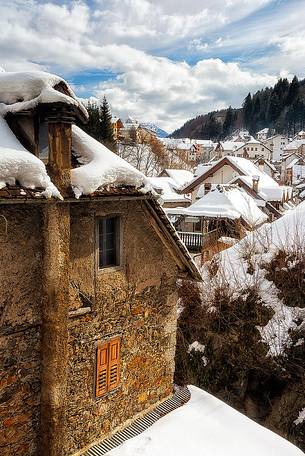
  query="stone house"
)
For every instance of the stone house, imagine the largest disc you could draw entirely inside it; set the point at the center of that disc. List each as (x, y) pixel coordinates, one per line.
(88, 275)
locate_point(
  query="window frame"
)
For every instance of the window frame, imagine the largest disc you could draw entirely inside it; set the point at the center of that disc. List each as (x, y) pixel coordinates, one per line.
(118, 241)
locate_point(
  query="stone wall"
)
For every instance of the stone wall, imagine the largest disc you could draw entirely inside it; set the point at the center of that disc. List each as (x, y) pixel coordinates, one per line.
(20, 297)
(136, 302)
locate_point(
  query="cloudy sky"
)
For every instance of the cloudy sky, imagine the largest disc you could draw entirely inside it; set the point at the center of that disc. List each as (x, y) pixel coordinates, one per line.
(162, 61)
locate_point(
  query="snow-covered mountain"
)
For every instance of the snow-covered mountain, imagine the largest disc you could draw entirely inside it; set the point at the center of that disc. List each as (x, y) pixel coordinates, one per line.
(150, 126)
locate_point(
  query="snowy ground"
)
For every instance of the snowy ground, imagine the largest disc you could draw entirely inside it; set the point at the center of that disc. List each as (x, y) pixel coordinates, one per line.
(206, 426)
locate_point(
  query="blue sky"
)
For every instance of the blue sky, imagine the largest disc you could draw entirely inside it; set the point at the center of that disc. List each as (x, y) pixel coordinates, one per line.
(163, 61)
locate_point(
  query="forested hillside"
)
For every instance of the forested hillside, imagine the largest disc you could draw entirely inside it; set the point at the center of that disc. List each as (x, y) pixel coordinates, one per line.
(281, 108)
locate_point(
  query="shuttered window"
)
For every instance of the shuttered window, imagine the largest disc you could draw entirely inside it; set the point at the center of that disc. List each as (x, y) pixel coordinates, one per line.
(107, 366)
(108, 242)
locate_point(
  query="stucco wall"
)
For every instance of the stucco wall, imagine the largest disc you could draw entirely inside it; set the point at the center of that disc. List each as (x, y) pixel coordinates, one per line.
(137, 302)
(222, 176)
(20, 298)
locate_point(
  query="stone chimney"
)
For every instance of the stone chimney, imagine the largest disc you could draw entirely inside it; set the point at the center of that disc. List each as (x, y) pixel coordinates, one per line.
(255, 181)
(60, 146)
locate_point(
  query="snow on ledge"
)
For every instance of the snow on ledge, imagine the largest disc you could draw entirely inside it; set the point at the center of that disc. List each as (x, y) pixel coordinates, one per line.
(101, 167)
(17, 164)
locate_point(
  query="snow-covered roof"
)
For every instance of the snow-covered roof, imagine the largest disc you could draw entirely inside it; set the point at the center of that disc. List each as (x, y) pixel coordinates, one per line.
(100, 167)
(203, 142)
(231, 145)
(294, 162)
(226, 202)
(180, 176)
(22, 91)
(269, 191)
(177, 143)
(130, 123)
(202, 168)
(244, 166)
(294, 145)
(168, 188)
(263, 131)
(206, 426)
(17, 164)
(271, 166)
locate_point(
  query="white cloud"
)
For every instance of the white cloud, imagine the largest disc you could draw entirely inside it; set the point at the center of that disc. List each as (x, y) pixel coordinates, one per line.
(148, 24)
(119, 35)
(169, 92)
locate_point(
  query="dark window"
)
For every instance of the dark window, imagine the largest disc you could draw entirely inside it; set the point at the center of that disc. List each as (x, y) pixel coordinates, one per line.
(108, 242)
(43, 143)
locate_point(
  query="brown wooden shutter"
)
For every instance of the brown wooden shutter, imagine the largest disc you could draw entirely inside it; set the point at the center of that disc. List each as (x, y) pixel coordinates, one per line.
(101, 369)
(114, 363)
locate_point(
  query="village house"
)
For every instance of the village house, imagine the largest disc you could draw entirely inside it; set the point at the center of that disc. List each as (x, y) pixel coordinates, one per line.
(266, 166)
(117, 126)
(183, 148)
(200, 150)
(253, 149)
(180, 176)
(217, 220)
(297, 146)
(224, 148)
(168, 189)
(276, 144)
(262, 134)
(285, 170)
(240, 136)
(268, 194)
(167, 185)
(89, 266)
(294, 171)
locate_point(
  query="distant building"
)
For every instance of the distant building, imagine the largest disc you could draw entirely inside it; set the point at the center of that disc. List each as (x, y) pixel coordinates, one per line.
(266, 167)
(117, 126)
(237, 170)
(276, 144)
(221, 216)
(254, 149)
(262, 134)
(296, 146)
(224, 148)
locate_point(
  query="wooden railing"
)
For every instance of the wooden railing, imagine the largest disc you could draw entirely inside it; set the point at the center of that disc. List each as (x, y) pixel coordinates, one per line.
(193, 241)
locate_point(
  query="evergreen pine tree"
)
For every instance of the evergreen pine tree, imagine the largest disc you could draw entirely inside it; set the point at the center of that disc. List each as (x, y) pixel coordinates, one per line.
(92, 127)
(293, 91)
(228, 123)
(275, 107)
(106, 130)
(248, 110)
